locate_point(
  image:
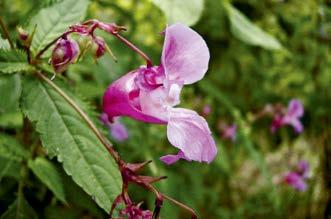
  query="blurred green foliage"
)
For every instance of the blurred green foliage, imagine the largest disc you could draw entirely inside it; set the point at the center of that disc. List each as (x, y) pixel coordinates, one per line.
(244, 76)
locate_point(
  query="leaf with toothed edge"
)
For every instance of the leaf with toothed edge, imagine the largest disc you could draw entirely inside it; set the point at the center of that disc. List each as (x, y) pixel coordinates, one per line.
(65, 134)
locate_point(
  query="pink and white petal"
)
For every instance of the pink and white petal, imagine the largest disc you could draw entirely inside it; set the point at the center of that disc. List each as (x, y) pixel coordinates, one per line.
(156, 102)
(173, 158)
(190, 133)
(122, 99)
(297, 125)
(185, 54)
(295, 108)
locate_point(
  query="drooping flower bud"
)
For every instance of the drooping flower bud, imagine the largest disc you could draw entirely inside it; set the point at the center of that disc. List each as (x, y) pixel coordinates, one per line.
(24, 36)
(98, 47)
(64, 54)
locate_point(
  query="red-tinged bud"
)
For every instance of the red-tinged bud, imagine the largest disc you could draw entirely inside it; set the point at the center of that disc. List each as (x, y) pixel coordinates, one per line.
(98, 47)
(22, 34)
(64, 54)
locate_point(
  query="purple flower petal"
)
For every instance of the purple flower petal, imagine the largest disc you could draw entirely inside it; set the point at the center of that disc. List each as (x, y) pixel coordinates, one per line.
(303, 168)
(295, 109)
(230, 132)
(122, 99)
(172, 158)
(190, 133)
(296, 181)
(185, 55)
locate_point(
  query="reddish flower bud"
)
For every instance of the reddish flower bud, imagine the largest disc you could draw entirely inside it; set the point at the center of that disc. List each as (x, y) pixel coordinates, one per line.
(99, 47)
(64, 54)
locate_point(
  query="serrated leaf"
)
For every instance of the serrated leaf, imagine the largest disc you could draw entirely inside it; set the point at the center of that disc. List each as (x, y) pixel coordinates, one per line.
(12, 61)
(243, 29)
(10, 90)
(49, 175)
(20, 209)
(11, 149)
(184, 11)
(52, 21)
(64, 133)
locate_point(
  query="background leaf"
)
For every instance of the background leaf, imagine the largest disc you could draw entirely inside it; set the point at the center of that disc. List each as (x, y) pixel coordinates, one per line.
(10, 90)
(11, 148)
(243, 29)
(20, 209)
(184, 11)
(4, 44)
(52, 21)
(65, 134)
(49, 175)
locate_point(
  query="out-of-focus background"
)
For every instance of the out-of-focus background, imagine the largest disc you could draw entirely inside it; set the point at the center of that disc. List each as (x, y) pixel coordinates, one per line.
(264, 53)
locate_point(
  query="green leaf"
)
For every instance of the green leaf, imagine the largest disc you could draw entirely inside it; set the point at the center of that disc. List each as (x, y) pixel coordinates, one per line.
(4, 44)
(184, 11)
(243, 29)
(63, 132)
(52, 21)
(9, 168)
(10, 90)
(10, 148)
(49, 175)
(12, 61)
(20, 209)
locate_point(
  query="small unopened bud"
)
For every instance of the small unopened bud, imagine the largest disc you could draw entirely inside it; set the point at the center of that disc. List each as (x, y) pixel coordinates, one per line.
(64, 54)
(98, 47)
(22, 34)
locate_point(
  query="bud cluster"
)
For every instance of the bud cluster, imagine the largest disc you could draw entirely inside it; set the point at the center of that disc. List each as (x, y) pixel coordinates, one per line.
(68, 50)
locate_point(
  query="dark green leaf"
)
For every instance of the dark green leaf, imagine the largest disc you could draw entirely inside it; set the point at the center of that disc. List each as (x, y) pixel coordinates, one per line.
(10, 148)
(49, 175)
(64, 133)
(20, 209)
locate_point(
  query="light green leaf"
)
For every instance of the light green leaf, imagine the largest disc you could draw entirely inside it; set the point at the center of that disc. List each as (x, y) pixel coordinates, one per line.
(4, 44)
(52, 21)
(10, 148)
(185, 11)
(10, 90)
(243, 29)
(20, 209)
(12, 61)
(49, 175)
(64, 133)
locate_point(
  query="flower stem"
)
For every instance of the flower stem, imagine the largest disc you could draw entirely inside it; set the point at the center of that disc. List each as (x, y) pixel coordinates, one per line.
(134, 48)
(6, 32)
(194, 216)
(102, 139)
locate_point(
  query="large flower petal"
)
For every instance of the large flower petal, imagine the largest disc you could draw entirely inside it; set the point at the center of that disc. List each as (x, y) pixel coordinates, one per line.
(185, 54)
(122, 99)
(190, 133)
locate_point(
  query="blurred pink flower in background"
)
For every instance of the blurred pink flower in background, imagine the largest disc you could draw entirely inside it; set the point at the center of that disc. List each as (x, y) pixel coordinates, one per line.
(116, 129)
(292, 117)
(230, 132)
(150, 93)
(297, 178)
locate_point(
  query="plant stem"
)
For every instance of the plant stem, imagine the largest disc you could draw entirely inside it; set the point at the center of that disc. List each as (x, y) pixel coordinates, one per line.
(102, 139)
(134, 48)
(6, 33)
(194, 216)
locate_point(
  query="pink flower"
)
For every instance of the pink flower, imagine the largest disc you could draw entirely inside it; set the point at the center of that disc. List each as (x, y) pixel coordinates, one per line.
(64, 53)
(135, 212)
(150, 93)
(230, 132)
(206, 110)
(296, 181)
(116, 129)
(292, 117)
(297, 178)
